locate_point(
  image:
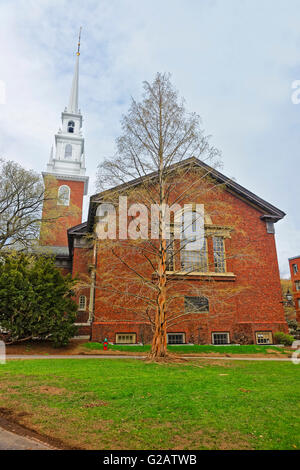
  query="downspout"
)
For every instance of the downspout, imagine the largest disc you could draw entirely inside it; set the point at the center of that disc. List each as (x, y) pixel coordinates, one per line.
(93, 283)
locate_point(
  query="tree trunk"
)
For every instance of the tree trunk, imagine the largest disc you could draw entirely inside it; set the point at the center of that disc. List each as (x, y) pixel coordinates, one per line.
(159, 342)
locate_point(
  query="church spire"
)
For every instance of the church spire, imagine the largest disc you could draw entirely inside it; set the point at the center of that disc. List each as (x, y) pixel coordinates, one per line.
(73, 102)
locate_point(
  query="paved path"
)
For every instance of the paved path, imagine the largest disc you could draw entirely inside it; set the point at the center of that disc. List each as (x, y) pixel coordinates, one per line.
(100, 356)
(11, 441)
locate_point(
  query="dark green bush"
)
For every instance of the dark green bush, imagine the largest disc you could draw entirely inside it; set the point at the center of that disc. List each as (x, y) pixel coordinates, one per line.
(283, 338)
(35, 300)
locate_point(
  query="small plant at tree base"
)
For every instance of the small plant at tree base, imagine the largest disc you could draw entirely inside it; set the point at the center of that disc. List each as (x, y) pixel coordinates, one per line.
(283, 338)
(35, 300)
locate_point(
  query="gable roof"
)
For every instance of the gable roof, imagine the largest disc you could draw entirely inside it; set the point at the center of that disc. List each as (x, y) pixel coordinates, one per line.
(270, 212)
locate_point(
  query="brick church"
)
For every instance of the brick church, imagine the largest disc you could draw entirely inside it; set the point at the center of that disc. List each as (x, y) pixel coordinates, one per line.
(254, 309)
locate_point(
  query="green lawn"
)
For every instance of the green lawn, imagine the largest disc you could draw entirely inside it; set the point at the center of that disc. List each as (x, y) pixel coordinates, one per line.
(130, 404)
(195, 348)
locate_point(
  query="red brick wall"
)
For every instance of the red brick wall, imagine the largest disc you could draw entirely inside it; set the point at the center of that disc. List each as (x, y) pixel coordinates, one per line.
(251, 301)
(80, 270)
(55, 233)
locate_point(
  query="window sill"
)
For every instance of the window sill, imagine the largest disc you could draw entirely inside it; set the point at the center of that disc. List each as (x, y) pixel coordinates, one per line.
(201, 275)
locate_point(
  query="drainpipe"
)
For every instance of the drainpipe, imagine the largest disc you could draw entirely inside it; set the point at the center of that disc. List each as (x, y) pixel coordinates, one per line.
(93, 283)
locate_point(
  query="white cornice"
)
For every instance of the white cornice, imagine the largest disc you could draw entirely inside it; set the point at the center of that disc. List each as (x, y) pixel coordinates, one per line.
(64, 177)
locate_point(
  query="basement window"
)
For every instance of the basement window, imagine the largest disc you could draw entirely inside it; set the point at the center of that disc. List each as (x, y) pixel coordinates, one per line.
(126, 338)
(220, 338)
(264, 337)
(176, 338)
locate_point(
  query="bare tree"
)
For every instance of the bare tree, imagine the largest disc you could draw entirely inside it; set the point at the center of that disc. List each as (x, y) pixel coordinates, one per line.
(155, 164)
(21, 201)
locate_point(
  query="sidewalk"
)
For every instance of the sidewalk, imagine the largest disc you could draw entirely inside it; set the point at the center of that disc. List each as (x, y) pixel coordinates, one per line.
(11, 441)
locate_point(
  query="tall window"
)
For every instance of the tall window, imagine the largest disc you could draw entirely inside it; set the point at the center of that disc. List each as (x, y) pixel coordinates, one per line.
(68, 151)
(193, 259)
(71, 125)
(82, 302)
(219, 254)
(297, 285)
(295, 268)
(64, 195)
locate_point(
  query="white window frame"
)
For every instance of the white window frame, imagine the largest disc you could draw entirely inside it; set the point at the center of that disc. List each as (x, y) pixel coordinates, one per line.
(219, 254)
(82, 306)
(220, 333)
(66, 201)
(261, 333)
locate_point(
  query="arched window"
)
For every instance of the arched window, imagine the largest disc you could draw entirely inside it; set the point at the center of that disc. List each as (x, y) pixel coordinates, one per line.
(64, 195)
(71, 125)
(82, 302)
(68, 151)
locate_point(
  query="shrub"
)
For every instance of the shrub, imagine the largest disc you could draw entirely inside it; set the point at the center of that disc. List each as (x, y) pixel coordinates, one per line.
(283, 338)
(35, 300)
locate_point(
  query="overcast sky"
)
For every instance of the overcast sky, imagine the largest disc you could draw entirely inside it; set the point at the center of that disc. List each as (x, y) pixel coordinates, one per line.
(234, 61)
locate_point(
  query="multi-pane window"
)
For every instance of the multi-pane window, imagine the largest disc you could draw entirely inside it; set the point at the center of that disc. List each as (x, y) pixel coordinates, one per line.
(264, 337)
(297, 285)
(193, 248)
(82, 302)
(298, 303)
(63, 195)
(125, 338)
(195, 304)
(219, 254)
(220, 338)
(295, 268)
(176, 338)
(194, 260)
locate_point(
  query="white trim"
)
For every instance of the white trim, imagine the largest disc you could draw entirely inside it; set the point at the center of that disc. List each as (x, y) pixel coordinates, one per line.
(220, 333)
(176, 333)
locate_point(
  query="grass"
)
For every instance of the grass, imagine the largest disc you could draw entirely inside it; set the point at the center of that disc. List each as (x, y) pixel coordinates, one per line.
(195, 348)
(130, 404)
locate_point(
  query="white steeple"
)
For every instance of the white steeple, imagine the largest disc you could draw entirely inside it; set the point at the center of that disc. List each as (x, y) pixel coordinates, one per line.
(67, 161)
(73, 102)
